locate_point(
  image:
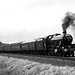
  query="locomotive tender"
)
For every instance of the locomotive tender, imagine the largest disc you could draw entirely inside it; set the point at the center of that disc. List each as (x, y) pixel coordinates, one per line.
(52, 45)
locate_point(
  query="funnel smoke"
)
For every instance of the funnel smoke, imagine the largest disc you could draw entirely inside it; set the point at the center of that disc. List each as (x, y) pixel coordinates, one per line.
(67, 21)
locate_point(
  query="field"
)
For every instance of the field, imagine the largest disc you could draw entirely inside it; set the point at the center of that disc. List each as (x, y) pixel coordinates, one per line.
(16, 66)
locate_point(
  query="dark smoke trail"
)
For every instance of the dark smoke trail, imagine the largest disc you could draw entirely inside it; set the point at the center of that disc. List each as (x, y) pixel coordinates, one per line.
(67, 21)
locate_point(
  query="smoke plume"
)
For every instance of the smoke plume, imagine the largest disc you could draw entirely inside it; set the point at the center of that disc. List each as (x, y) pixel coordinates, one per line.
(69, 20)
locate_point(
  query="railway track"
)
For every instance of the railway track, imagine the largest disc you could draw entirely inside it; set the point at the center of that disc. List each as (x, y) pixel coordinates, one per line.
(22, 56)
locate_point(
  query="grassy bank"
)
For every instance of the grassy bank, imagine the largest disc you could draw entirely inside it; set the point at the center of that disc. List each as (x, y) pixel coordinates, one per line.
(14, 66)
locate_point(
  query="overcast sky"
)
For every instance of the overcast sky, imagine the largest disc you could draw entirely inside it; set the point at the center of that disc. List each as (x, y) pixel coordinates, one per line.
(22, 20)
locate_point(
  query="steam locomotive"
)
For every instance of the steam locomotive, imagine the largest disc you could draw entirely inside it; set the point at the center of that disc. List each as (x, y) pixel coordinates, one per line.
(52, 45)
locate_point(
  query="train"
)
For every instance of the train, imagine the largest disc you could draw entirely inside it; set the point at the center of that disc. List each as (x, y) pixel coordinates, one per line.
(51, 45)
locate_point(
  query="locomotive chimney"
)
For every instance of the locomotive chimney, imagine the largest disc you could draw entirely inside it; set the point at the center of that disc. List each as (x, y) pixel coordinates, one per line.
(64, 32)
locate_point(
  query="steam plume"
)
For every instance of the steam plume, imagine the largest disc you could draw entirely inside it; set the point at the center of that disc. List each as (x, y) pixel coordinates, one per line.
(68, 20)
